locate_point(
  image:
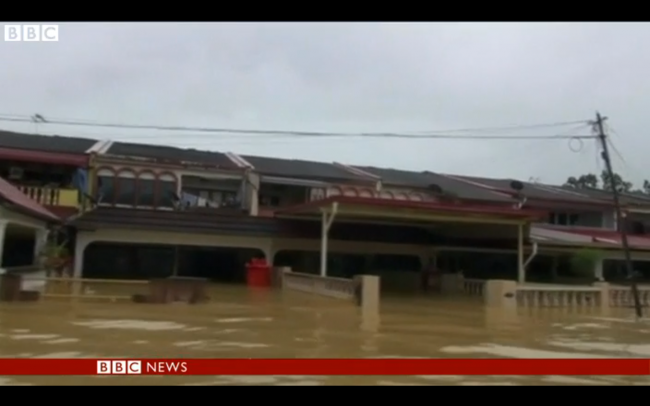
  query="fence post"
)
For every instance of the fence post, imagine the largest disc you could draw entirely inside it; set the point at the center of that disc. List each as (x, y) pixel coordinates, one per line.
(277, 276)
(500, 293)
(451, 283)
(369, 296)
(604, 294)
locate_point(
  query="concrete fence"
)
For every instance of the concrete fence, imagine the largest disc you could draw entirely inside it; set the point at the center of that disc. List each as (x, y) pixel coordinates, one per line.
(455, 283)
(600, 295)
(508, 293)
(364, 290)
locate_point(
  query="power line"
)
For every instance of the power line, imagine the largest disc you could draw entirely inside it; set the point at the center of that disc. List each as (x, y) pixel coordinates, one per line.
(314, 134)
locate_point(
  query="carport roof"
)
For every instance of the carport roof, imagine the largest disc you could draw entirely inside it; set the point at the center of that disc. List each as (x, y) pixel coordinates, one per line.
(19, 201)
(400, 209)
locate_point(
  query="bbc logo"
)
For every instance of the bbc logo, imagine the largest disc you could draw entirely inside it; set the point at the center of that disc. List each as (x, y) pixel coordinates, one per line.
(119, 367)
(32, 32)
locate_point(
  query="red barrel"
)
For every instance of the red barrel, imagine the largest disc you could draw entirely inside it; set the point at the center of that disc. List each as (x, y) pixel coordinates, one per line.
(258, 273)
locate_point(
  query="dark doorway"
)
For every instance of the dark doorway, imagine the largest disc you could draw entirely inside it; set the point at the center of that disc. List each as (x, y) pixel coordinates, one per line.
(226, 265)
(19, 245)
(147, 261)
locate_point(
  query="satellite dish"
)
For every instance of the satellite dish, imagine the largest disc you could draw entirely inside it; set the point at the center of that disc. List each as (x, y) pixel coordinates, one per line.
(516, 185)
(435, 188)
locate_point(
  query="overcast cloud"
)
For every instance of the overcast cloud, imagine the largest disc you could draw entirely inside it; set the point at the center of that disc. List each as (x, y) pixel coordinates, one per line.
(347, 77)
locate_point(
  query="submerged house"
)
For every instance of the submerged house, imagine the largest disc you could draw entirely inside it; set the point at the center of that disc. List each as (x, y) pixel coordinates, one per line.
(147, 211)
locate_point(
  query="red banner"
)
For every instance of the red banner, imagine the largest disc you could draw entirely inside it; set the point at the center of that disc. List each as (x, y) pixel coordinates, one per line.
(325, 367)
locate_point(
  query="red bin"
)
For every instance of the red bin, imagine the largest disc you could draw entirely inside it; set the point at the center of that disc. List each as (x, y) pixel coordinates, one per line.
(258, 273)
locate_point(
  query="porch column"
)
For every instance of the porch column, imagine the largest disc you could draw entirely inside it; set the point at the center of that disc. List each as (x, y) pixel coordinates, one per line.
(521, 270)
(554, 266)
(3, 229)
(83, 240)
(40, 241)
(598, 271)
(327, 219)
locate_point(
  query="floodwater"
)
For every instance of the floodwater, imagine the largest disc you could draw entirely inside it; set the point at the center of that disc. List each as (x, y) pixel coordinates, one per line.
(239, 323)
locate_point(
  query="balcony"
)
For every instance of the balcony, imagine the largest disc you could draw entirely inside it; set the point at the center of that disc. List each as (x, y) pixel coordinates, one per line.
(47, 196)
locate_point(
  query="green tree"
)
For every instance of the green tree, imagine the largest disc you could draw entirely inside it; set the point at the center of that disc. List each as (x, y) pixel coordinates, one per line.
(608, 183)
(583, 181)
(603, 182)
(645, 189)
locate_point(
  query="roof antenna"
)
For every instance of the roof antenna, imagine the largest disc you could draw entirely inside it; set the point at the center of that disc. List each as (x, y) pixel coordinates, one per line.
(36, 119)
(518, 187)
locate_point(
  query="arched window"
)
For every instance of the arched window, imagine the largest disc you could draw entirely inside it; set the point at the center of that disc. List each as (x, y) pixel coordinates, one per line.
(105, 187)
(146, 195)
(350, 192)
(166, 192)
(126, 182)
(367, 193)
(335, 191)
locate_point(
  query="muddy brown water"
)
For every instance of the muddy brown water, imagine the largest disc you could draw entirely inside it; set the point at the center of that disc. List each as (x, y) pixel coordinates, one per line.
(240, 323)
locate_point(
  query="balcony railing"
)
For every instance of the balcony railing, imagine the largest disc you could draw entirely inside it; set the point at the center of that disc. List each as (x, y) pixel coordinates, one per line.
(52, 196)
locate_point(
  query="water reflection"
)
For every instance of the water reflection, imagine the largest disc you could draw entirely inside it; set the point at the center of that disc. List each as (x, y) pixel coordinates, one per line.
(240, 324)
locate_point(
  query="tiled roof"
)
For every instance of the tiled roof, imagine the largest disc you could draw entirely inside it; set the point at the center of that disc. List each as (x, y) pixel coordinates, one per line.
(398, 177)
(171, 154)
(464, 187)
(536, 191)
(301, 169)
(574, 235)
(45, 143)
(232, 222)
(631, 199)
(10, 194)
(462, 190)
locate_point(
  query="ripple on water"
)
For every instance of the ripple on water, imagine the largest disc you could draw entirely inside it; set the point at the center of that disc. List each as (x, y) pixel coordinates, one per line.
(12, 382)
(211, 344)
(514, 352)
(630, 319)
(582, 326)
(62, 341)
(572, 380)
(641, 350)
(244, 319)
(143, 325)
(34, 336)
(392, 383)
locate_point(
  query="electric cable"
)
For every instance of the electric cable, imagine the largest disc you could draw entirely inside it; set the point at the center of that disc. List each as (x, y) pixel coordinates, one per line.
(37, 118)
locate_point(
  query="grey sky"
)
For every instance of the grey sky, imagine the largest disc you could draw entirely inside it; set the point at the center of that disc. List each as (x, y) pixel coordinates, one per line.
(346, 77)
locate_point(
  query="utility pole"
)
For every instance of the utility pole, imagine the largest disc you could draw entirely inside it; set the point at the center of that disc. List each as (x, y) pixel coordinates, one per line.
(620, 220)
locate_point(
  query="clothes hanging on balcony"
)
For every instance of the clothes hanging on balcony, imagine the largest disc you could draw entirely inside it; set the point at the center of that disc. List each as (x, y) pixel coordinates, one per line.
(191, 200)
(80, 180)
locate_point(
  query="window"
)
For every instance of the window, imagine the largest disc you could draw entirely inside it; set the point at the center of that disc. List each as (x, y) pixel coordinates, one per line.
(166, 193)
(229, 199)
(125, 188)
(269, 201)
(563, 219)
(105, 186)
(129, 188)
(146, 189)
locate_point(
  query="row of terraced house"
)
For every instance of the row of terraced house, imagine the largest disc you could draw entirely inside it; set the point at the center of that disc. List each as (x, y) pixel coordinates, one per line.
(134, 211)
